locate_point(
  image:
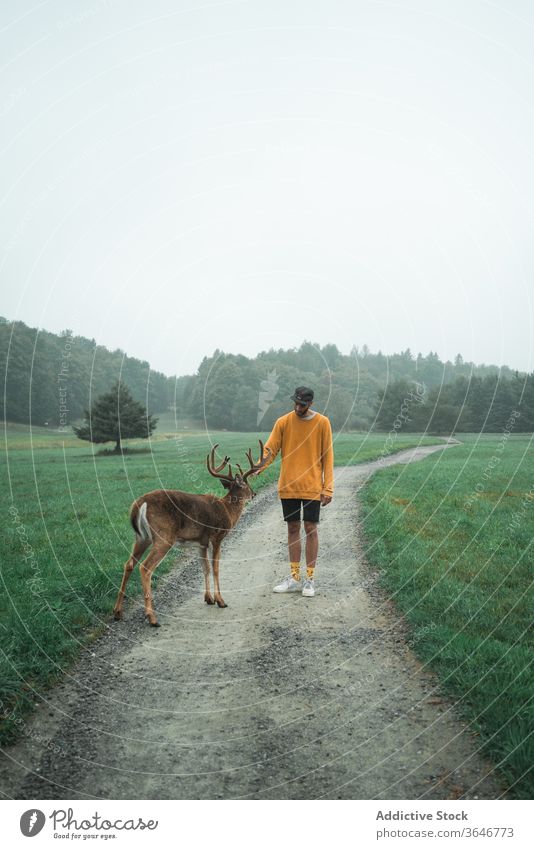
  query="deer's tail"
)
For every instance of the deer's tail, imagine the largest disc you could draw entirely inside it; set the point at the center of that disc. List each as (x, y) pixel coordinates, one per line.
(140, 522)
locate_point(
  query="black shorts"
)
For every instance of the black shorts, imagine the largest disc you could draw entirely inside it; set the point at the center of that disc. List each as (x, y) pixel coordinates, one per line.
(291, 509)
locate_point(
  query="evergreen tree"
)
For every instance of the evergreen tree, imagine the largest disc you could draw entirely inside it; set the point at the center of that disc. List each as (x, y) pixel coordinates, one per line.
(397, 406)
(115, 416)
(523, 393)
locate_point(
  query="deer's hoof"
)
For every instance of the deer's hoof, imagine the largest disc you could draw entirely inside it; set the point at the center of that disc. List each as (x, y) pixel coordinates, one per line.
(221, 603)
(155, 624)
(117, 614)
(209, 599)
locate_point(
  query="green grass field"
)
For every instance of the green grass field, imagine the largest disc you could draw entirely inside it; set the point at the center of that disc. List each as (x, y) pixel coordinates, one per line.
(67, 534)
(453, 540)
(452, 537)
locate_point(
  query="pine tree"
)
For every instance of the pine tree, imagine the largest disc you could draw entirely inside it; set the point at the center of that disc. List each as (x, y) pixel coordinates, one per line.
(115, 416)
(397, 405)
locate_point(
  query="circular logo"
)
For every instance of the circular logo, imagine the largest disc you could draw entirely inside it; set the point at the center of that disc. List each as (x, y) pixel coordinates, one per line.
(31, 822)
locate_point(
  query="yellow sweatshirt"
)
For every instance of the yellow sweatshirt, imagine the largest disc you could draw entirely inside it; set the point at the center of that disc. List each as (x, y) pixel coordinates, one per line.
(307, 456)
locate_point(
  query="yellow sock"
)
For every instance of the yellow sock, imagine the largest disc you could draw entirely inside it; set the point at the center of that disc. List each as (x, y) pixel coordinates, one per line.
(309, 572)
(295, 571)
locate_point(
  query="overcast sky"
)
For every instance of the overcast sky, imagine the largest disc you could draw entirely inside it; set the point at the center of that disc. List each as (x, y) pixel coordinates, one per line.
(180, 176)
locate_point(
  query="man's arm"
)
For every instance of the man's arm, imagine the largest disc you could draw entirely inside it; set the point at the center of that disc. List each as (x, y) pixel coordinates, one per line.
(274, 444)
(327, 452)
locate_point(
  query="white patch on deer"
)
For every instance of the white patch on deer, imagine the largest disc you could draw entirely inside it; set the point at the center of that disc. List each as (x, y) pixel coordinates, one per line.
(142, 522)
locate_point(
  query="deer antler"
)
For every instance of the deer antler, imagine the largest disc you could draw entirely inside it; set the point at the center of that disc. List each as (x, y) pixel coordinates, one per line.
(255, 467)
(214, 470)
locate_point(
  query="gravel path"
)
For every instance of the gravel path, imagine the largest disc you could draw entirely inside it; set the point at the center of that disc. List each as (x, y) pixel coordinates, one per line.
(276, 696)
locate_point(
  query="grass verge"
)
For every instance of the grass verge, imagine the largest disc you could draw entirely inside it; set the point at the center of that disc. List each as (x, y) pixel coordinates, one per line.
(452, 538)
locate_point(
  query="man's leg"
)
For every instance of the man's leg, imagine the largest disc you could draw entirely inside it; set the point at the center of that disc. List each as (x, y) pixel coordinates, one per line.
(294, 547)
(312, 547)
(291, 510)
(311, 521)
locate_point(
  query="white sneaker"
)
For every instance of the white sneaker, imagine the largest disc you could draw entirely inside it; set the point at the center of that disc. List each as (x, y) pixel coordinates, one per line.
(308, 589)
(288, 585)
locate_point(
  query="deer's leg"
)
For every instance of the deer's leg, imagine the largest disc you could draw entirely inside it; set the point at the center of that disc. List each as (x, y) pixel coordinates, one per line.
(155, 557)
(215, 566)
(140, 546)
(208, 598)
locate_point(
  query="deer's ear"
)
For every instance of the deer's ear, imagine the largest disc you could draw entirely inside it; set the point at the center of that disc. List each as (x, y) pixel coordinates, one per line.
(239, 480)
(226, 484)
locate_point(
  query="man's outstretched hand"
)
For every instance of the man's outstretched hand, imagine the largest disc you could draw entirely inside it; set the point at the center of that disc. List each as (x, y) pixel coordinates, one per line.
(325, 499)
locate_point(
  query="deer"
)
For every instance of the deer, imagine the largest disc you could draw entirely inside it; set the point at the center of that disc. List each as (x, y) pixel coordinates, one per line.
(165, 516)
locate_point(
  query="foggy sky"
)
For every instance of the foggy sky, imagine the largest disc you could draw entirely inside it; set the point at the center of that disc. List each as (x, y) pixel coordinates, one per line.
(185, 176)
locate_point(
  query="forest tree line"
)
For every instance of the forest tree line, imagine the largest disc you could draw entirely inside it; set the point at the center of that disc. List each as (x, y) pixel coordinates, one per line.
(56, 377)
(53, 378)
(359, 391)
(490, 404)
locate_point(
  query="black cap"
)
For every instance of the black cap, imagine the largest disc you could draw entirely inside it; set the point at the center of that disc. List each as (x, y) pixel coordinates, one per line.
(303, 395)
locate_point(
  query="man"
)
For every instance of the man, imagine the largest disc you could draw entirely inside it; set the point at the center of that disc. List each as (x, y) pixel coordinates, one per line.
(304, 437)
